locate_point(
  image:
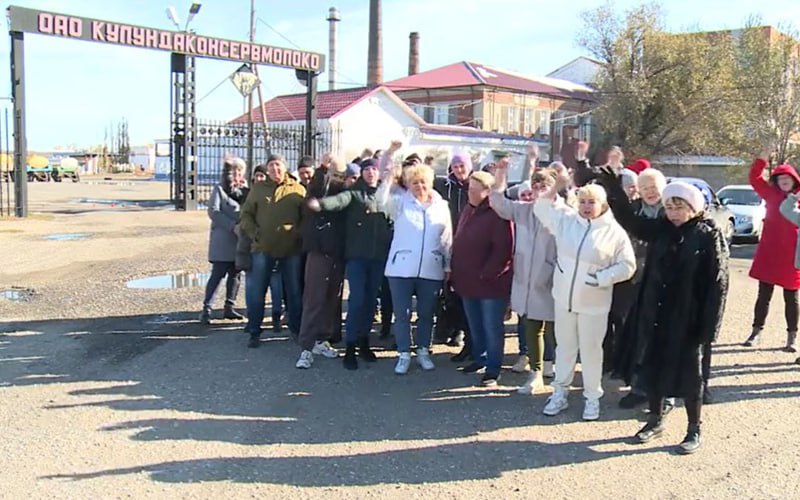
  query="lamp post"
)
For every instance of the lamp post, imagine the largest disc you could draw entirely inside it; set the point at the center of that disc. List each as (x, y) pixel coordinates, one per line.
(183, 126)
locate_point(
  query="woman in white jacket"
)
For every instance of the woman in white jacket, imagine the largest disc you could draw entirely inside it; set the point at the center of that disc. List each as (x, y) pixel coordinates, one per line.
(419, 257)
(593, 253)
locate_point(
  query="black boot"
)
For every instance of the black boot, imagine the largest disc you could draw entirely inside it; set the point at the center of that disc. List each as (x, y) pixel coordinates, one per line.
(205, 316)
(230, 313)
(462, 355)
(350, 361)
(652, 430)
(276, 324)
(691, 443)
(255, 341)
(386, 330)
(754, 337)
(364, 352)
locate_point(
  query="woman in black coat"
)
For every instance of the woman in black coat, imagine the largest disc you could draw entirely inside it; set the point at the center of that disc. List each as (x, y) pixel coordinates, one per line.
(680, 305)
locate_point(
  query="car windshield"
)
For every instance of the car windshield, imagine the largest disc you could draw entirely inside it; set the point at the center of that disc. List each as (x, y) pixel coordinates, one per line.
(739, 197)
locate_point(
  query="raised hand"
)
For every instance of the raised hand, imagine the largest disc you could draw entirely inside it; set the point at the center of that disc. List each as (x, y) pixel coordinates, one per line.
(313, 205)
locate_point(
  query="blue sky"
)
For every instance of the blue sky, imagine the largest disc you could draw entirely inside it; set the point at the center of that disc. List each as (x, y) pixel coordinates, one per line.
(75, 88)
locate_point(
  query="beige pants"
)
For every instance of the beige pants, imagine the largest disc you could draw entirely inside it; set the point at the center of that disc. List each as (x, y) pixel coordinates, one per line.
(582, 333)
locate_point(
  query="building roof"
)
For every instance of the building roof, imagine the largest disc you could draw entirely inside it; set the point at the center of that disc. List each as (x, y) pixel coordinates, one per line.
(287, 108)
(467, 74)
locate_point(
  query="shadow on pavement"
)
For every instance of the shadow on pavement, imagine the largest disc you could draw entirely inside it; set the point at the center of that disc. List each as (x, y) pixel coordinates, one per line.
(434, 464)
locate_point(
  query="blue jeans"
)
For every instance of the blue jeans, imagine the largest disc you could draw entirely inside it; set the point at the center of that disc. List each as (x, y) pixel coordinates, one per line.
(364, 277)
(258, 280)
(485, 317)
(276, 294)
(427, 292)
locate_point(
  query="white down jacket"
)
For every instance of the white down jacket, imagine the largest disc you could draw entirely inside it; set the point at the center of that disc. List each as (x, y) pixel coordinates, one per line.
(597, 252)
(423, 234)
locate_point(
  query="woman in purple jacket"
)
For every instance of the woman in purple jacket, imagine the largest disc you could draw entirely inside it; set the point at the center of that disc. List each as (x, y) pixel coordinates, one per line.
(483, 249)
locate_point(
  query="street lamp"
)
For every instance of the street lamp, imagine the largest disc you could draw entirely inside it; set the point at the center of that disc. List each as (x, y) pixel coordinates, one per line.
(172, 14)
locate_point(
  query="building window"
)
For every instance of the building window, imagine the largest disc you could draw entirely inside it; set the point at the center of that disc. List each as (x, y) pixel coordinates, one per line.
(512, 117)
(527, 126)
(544, 123)
(441, 114)
(419, 110)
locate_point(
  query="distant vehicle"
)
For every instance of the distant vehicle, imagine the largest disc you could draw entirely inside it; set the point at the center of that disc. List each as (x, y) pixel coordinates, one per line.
(715, 210)
(68, 168)
(749, 210)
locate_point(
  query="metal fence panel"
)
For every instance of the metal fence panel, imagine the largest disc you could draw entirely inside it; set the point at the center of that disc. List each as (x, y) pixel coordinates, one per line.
(215, 140)
(7, 201)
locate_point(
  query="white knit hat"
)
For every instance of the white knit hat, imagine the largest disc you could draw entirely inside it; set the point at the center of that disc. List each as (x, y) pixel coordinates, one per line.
(687, 192)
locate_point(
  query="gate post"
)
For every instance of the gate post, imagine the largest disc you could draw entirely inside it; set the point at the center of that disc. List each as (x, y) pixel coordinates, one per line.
(311, 114)
(184, 132)
(20, 139)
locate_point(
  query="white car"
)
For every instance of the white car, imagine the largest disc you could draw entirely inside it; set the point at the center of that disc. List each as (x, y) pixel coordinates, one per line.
(748, 210)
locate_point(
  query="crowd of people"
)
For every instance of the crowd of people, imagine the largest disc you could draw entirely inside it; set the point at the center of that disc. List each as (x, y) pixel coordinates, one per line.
(610, 265)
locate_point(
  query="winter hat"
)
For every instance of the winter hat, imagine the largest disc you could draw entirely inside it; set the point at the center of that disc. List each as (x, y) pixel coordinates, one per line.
(463, 159)
(260, 169)
(337, 166)
(276, 157)
(687, 192)
(639, 166)
(628, 178)
(353, 170)
(369, 162)
(306, 161)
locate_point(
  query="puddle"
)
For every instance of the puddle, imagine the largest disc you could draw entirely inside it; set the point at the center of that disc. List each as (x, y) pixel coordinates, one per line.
(66, 236)
(17, 294)
(170, 281)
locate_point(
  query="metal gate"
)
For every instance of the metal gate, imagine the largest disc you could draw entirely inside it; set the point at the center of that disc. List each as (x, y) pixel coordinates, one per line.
(215, 140)
(7, 200)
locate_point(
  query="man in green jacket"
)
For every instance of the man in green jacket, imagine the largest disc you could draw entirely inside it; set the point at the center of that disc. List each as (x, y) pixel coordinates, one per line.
(271, 217)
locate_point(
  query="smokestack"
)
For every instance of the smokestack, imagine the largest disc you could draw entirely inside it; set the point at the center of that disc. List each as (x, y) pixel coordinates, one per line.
(413, 53)
(375, 55)
(333, 18)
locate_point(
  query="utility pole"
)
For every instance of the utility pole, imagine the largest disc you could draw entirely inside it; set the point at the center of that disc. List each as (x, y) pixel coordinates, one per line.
(250, 130)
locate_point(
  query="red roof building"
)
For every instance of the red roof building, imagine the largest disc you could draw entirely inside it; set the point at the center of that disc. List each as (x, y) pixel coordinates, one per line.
(289, 108)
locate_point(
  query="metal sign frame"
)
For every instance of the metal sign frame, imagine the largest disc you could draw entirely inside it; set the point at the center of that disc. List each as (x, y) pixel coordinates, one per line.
(185, 47)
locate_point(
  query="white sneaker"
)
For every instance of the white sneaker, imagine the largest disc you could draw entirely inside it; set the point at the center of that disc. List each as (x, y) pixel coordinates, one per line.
(403, 363)
(549, 370)
(556, 403)
(521, 366)
(324, 349)
(305, 360)
(591, 409)
(424, 359)
(532, 385)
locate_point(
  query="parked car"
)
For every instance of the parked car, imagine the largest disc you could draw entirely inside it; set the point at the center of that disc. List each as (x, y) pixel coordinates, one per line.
(715, 210)
(748, 210)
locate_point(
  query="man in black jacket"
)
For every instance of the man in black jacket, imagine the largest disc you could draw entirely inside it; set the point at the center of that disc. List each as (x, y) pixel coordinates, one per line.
(324, 271)
(450, 319)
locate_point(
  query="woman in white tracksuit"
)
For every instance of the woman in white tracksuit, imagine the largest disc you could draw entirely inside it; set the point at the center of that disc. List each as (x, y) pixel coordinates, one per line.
(593, 253)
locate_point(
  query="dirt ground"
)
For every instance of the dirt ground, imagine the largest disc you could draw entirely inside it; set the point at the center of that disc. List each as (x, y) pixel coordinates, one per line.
(108, 392)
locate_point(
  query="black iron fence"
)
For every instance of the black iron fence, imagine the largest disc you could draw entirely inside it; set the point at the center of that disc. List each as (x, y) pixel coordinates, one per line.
(215, 140)
(7, 201)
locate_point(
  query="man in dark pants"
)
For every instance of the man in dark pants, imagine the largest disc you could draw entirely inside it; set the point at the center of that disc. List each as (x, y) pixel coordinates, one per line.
(271, 217)
(450, 318)
(324, 272)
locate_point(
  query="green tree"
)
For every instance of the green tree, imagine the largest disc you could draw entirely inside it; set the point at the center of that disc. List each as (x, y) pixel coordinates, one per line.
(659, 93)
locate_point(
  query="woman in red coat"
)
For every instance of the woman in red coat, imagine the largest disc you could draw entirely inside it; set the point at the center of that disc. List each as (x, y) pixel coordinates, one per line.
(773, 263)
